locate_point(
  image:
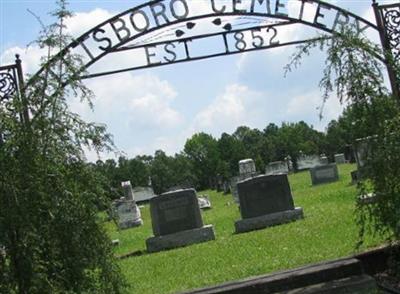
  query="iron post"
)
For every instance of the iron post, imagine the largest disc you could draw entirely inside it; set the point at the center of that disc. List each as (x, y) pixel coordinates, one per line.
(394, 82)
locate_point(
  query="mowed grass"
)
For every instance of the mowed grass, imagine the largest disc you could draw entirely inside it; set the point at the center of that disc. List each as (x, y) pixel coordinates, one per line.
(328, 231)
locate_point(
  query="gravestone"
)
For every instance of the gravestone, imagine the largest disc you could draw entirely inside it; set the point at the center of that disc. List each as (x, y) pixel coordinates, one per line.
(340, 159)
(127, 187)
(323, 159)
(361, 151)
(247, 166)
(233, 188)
(176, 221)
(127, 214)
(226, 187)
(247, 169)
(143, 194)
(324, 174)
(289, 163)
(277, 167)
(308, 161)
(204, 202)
(265, 201)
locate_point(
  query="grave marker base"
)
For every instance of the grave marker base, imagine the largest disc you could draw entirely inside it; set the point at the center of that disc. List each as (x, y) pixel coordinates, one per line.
(180, 239)
(268, 220)
(130, 224)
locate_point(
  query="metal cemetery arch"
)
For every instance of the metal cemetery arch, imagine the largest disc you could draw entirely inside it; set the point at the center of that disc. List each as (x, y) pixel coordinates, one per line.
(168, 24)
(115, 34)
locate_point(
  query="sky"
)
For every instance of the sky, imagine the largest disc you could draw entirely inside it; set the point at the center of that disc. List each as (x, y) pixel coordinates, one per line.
(160, 107)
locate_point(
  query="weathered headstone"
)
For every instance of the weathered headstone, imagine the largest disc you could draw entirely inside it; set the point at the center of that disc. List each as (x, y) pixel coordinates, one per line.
(362, 151)
(277, 167)
(143, 194)
(265, 201)
(247, 166)
(227, 187)
(204, 202)
(127, 214)
(127, 187)
(247, 169)
(176, 221)
(340, 159)
(323, 159)
(308, 161)
(233, 188)
(289, 163)
(324, 174)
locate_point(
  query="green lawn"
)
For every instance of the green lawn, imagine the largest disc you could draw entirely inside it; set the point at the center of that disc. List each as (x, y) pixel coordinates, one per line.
(328, 231)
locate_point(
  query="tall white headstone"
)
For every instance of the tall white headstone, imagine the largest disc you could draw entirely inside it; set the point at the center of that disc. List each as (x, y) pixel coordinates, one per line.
(128, 190)
(247, 169)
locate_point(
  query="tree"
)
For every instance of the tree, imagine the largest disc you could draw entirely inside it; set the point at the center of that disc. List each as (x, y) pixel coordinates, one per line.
(134, 170)
(231, 150)
(202, 150)
(161, 172)
(354, 71)
(51, 241)
(183, 171)
(252, 140)
(292, 138)
(345, 130)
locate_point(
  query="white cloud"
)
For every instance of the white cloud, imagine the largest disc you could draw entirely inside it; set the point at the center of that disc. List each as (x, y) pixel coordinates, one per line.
(84, 21)
(157, 108)
(77, 25)
(30, 57)
(227, 111)
(308, 105)
(142, 100)
(240, 105)
(136, 108)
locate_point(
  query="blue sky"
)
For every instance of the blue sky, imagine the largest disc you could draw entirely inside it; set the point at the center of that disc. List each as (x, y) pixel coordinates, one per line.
(160, 108)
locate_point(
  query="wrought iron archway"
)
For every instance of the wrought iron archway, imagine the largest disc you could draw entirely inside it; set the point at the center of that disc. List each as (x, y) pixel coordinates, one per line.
(172, 28)
(169, 23)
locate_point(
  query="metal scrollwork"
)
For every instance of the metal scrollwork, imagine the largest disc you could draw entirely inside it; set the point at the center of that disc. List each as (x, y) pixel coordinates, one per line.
(391, 17)
(8, 85)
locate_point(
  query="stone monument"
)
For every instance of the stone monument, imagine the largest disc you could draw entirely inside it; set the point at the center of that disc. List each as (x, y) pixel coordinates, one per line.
(324, 174)
(143, 194)
(127, 214)
(247, 166)
(362, 151)
(308, 161)
(265, 201)
(204, 202)
(289, 163)
(127, 187)
(323, 159)
(176, 221)
(125, 210)
(340, 159)
(247, 169)
(277, 167)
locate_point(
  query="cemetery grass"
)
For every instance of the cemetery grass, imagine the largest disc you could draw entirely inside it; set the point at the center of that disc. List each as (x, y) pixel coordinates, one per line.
(328, 231)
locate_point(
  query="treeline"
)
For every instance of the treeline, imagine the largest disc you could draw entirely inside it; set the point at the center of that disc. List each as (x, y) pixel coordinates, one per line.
(207, 161)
